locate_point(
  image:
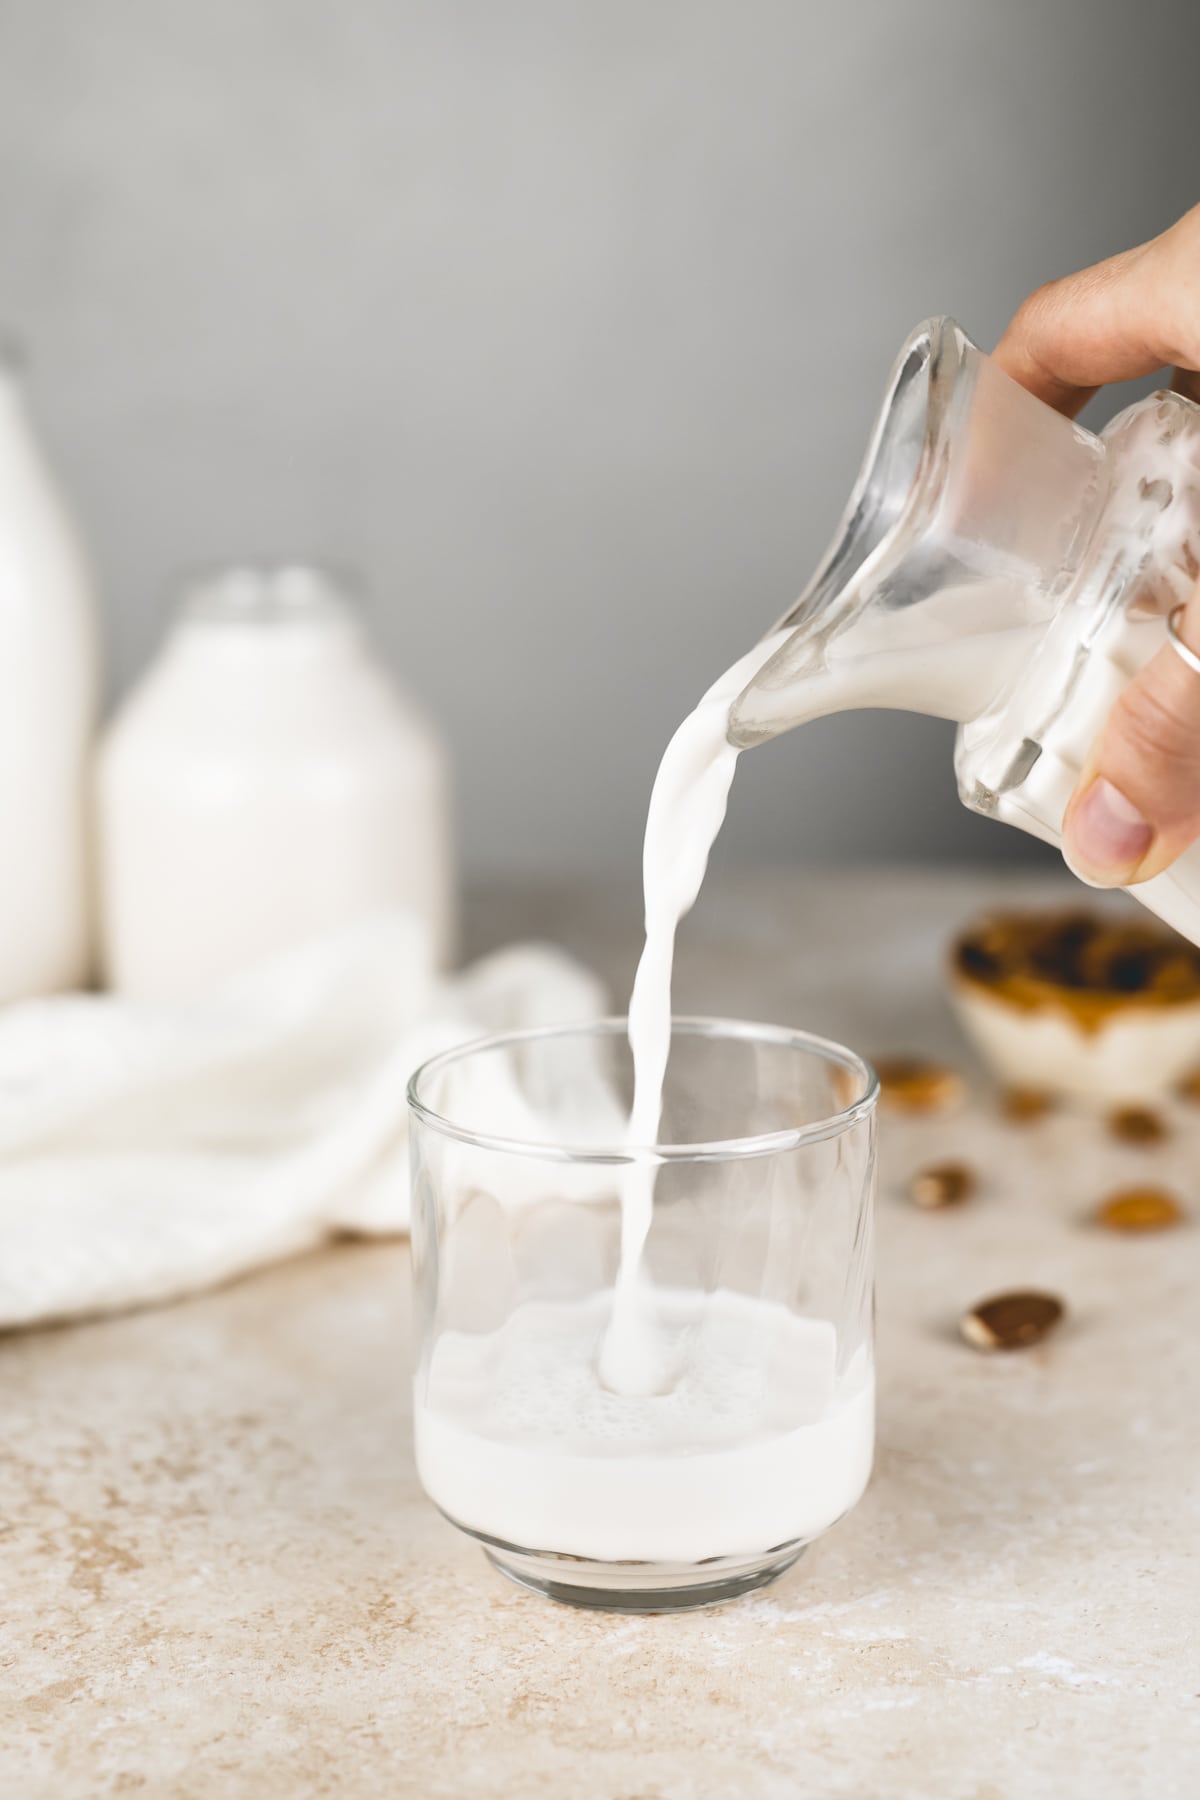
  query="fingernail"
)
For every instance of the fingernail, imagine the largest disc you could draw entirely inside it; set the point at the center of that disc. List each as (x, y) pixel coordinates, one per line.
(1107, 836)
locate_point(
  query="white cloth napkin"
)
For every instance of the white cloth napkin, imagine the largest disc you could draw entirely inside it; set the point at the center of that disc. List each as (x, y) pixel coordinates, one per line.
(147, 1151)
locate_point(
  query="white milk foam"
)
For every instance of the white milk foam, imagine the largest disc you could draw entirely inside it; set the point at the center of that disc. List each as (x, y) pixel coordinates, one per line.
(757, 1444)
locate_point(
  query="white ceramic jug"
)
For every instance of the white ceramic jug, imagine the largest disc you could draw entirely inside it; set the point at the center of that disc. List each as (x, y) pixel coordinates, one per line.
(264, 783)
(48, 671)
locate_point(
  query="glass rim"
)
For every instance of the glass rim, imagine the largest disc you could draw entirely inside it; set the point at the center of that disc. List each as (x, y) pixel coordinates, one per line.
(694, 1025)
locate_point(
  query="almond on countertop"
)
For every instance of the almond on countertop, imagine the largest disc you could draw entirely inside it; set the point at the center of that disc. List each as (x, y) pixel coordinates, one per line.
(942, 1185)
(1138, 1209)
(1023, 1106)
(1137, 1125)
(915, 1085)
(1011, 1321)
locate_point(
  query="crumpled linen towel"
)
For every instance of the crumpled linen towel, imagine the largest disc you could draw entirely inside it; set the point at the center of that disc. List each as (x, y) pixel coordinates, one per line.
(149, 1151)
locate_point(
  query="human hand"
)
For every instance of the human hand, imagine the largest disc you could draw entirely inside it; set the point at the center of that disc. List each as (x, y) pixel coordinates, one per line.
(1137, 804)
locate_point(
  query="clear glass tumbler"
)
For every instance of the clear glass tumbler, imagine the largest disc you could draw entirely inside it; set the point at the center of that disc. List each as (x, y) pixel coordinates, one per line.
(754, 1429)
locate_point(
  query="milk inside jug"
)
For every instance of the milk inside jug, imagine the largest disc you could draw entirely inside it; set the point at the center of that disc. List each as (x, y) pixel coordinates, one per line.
(1001, 566)
(48, 682)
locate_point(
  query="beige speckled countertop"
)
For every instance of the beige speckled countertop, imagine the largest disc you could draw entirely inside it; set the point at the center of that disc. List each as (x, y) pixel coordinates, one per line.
(218, 1576)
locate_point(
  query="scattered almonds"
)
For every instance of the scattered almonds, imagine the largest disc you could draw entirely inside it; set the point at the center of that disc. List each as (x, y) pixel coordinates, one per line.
(1137, 1125)
(1011, 1321)
(942, 1184)
(1024, 1105)
(910, 1084)
(1140, 1209)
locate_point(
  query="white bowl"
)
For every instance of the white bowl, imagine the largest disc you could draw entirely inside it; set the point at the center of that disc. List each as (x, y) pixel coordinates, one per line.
(1138, 1053)
(1095, 1046)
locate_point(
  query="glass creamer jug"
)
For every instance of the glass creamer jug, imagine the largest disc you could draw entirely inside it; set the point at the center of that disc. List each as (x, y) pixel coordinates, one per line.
(1003, 567)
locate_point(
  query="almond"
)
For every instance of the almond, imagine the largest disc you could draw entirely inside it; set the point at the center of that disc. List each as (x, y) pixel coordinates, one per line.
(1024, 1105)
(911, 1084)
(1140, 1209)
(1137, 1125)
(941, 1185)
(1011, 1321)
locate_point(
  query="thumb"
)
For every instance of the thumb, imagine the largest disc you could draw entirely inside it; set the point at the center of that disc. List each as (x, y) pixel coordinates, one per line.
(1137, 805)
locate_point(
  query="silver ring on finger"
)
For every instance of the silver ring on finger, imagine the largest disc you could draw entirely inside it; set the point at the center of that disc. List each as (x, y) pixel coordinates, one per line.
(1177, 644)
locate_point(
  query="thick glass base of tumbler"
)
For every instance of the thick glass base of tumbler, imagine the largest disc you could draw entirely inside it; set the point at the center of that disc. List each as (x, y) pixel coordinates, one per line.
(640, 1587)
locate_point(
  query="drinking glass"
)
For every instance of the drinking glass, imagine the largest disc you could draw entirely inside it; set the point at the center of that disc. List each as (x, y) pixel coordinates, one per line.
(752, 1429)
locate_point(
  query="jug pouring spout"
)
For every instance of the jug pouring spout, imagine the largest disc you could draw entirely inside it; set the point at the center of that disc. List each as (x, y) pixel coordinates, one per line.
(969, 517)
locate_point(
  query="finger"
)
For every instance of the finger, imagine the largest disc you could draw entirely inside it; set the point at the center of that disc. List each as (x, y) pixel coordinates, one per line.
(1122, 318)
(1137, 806)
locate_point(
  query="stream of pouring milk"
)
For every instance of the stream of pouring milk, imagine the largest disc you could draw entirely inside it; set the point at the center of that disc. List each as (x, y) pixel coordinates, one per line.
(687, 809)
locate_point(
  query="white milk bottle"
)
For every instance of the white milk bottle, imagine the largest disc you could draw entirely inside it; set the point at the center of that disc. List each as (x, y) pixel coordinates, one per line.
(264, 783)
(48, 674)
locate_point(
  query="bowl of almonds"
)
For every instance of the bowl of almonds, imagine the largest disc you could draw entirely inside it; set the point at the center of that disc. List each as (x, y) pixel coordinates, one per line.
(1090, 1007)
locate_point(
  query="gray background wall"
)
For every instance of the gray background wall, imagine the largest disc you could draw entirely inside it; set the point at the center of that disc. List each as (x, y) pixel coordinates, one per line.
(564, 322)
